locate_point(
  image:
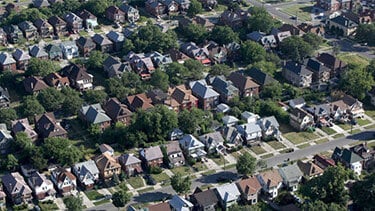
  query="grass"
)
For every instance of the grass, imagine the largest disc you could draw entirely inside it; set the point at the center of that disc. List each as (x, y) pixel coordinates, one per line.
(303, 11)
(303, 145)
(326, 154)
(355, 143)
(371, 144)
(321, 141)
(344, 126)
(160, 177)
(233, 165)
(300, 137)
(104, 201)
(219, 161)
(48, 205)
(370, 113)
(286, 128)
(257, 150)
(181, 169)
(363, 122)
(93, 195)
(209, 172)
(354, 59)
(370, 126)
(145, 190)
(266, 156)
(328, 130)
(339, 135)
(136, 182)
(355, 131)
(276, 144)
(284, 151)
(199, 166)
(83, 33)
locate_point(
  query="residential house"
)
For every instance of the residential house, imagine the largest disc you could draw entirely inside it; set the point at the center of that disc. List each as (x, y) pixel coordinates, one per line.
(114, 14)
(294, 30)
(329, 5)
(208, 98)
(12, 8)
(47, 126)
(29, 31)
(57, 81)
(38, 52)
(229, 121)
(131, 13)
(95, 115)
(349, 159)
(300, 119)
(232, 136)
(87, 173)
(174, 153)
(366, 153)
(22, 59)
(171, 6)
(34, 85)
(234, 18)
(342, 25)
(291, 175)
(267, 41)
(246, 86)
(335, 65)
(180, 98)
(40, 3)
(204, 200)
(228, 195)
(69, 49)
(192, 147)
(178, 56)
(183, 5)
(271, 182)
(44, 28)
(250, 189)
(249, 117)
(204, 21)
(139, 101)
(141, 64)
(209, 4)
(261, 78)
(225, 88)
(118, 69)
(175, 134)
(213, 142)
(54, 52)
(88, 19)
(353, 106)
(270, 128)
(4, 98)
(131, 165)
(151, 157)
(6, 139)
(250, 132)
(117, 40)
(309, 169)
(2, 199)
(281, 35)
(109, 62)
(106, 148)
(323, 162)
(193, 51)
(42, 187)
(315, 29)
(216, 53)
(3, 38)
(14, 34)
(320, 72)
(16, 188)
(64, 181)
(297, 103)
(108, 166)
(59, 26)
(85, 46)
(160, 60)
(178, 203)
(7, 63)
(361, 17)
(297, 74)
(78, 77)
(117, 111)
(155, 8)
(22, 125)
(164, 206)
(74, 23)
(103, 44)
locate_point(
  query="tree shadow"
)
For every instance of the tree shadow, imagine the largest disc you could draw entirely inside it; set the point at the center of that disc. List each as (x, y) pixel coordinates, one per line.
(152, 196)
(224, 176)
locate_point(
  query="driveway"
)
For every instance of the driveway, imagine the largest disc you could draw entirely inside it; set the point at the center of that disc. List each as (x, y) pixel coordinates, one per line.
(86, 201)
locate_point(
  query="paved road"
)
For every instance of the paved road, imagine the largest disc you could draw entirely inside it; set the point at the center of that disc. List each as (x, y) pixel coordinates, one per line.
(352, 47)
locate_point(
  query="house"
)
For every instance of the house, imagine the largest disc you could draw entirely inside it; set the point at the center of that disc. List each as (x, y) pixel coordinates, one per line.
(297, 74)
(261, 78)
(22, 59)
(59, 26)
(228, 195)
(74, 23)
(271, 182)
(163, 206)
(225, 88)
(175, 134)
(27, 170)
(246, 86)
(178, 203)
(42, 187)
(3, 37)
(192, 147)
(208, 98)
(106, 148)
(44, 28)
(193, 51)
(16, 188)
(47, 126)
(34, 85)
(281, 35)
(183, 5)
(118, 69)
(88, 19)
(155, 8)
(4, 98)
(361, 17)
(342, 25)
(174, 153)
(160, 60)
(291, 175)
(131, 165)
(209, 4)
(78, 77)
(300, 119)
(139, 101)
(64, 181)
(321, 73)
(267, 41)
(57, 81)
(38, 52)
(117, 40)
(270, 128)
(87, 173)
(351, 106)
(54, 52)
(335, 65)
(114, 14)
(349, 159)
(131, 13)
(204, 200)
(249, 117)
(366, 153)
(171, 7)
(250, 189)
(108, 166)
(216, 53)
(103, 44)
(40, 3)
(95, 115)
(250, 132)
(22, 125)
(229, 120)
(213, 142)
(323, 162)
(14, 34)
(7, 63)
(178, 56)
(141, 64)
(117, 111)
(309, 169)
(6, 139)
(232, 136)
(69, 49)
(29, 31)
(85, 46)
(294, 30)
(180, 98)
(152, 156)
(297, 102)
(234, 18)
(315, 29)
(222, 108)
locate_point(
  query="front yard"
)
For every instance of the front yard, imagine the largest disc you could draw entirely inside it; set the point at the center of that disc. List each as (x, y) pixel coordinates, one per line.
(257, 150)
(136, 182)
(302, 11)
(303, 145)
(344, 126)
(321, 141)
(276, 144)
(300, 137)
(160, 177)
(339, 135)
(199, 166)
(219, 160)
(93, 195)
(182, 170)
(363, 122)
(328, 130)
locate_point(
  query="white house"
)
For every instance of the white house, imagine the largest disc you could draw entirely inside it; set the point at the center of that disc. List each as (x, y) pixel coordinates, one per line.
(291, 175)
(271, 182)
(180, 204)
(270, 128)
(228, 195)
(69, 49)
(214, 142)
(41, 186)
(249, 117)
(229, 120)
(192, 146)
(250, 131)
(87, 173)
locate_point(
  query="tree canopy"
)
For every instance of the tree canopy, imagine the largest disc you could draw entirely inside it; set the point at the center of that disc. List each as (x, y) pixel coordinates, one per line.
(252, 52)
(40, 67)
(160, 79)
(180, 184)
(95, 96)
(7, 115)
(194, 8)
(295, 48)
(62, 151)
(179, 73)
(72, 101)
(51, 98)
(362, 192)
(321, 206)
(121, 198)
(224, 35)
(313, 39)
(30, 106)
(220, 69)
(190, 121)
(73, 203)
(95, 61)
(260, 20)
(194, 32)
(357, 81)
(365, 33)
(246, 164)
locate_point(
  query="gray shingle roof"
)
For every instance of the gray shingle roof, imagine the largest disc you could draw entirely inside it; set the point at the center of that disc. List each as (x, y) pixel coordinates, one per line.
(21, 55)
(36, 51)
(203, 91)
(95, 114)
(6, 59)
(116, 36)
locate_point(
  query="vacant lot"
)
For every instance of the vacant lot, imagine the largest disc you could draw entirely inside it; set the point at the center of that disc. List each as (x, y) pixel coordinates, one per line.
(300, 137)
(302, 11)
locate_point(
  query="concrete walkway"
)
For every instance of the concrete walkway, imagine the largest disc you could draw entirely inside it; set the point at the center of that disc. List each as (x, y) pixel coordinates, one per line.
(230, 159)
(269, 149)
(60, 203)
(104, 191)
(86, 201)
(168, 172)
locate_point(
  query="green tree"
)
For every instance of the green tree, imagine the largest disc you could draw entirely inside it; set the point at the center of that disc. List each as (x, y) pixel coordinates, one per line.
(37, 159)
(252, 52)
(56, 149)
(266, 66)
(357, 81)
(72, 101)
(24, 144)
(321, 206)
(272, 91)
(313, 39)
(246, 164)
(40, 67)
(194, 32)
(365, 33)
(363, 191)
(61, 8)
(295, 48)
(11, 162)
(194, 8)
(51, 98)
(95, 96)
(97, 7)
(189, 121)
(371, 68)
(115, 88)
(260, 20)
(121, 198)
(7, 115)
(271, 108)
(195, 68)
(224, 35)
(160, 80)
(177, 73)
(220, 69)
(95, 61)
(127, 47)
(30, 106)
(180, 184)
(73, 203)
(28, 14)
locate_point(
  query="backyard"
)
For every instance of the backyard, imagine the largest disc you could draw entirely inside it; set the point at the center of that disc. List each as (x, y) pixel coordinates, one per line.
(301, 11)
(354, 59)
(300, 137)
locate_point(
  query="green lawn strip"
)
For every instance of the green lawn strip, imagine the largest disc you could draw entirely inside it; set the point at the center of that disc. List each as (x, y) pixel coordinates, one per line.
(302, 11)
(355, 143)
(328, 130)
(182, 170)
(321, 141)
(276, 144)
(144, 190)
(93, 195)
(48, 205)
(371, 144)
(370, 113)
(363, 122)
(300, 137)
(354, 59)
(284, 151)
(258, 150)
(104, 201)
(209, 172)
(199, 166)
(136, 182)
(230, 166)
(370, 126)
(220, 160)
(303, 145)
(160, 177)
(266, 156)
(355, 131)
(339, 135)
(326, 154)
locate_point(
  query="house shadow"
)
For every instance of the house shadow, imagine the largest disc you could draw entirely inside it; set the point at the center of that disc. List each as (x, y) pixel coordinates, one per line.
(152, 196)
(363, 136)
(220, 177)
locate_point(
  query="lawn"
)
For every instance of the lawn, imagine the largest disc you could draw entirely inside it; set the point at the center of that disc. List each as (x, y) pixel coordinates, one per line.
(276, 144)
(257, 150)
(370, 127)
(48, 205)
(300, 137)
(355, 131)
(363, 122)
(266, 156)
(344, 126)
(160, 177)
(371, 144)
(286, 128)
(339, 135)
(199, 166)
(328, 130)
(145, 190)
(321, 141)
(370, 113)
(93, 195)
(219, 161)
(230, 166)
(209, 172)
(104, 201)
(136, 182)
(303, 145)
(181, 169)
(302, 11)
(354, 59)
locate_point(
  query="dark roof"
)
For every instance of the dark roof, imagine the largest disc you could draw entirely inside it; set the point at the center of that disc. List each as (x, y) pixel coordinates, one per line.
(206, 198)
(330, 60)
(34, 84)
(346, 155)
(47, 126)
(241, 81)
(85, 42)
(76, 73)
(55, 20)
(260, 77)
(297, 68)
(84, 14)
(115, 109)
(316, 66)
(343, 21)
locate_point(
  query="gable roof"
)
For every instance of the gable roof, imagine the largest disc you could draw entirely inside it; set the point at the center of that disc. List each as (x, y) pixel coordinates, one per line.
(241, 81)
(211, 139)
(223, 86)
(330, 61)
(260, 77)
(37, 51)
(47, 125)
(189, 141)
(271, 178)
(115, 109)
(37, 179)
(297, 68)
(343, 21)
(71, 17)
(151, 153)
(249, 128)
(56, 20)
(309, 169)
(164, 206)
(106, 161)
(249, 186)
(86, 166)
(15, 184)
(228, 192)
(116, 36)
(40, 22)
(139, 101)
(22, 125)
(75, 73)
(346, 155)
(202, 90)
(6, 59)
(316, 66)
(26, 25)
(94, 114)
(291, 173)
(20, 55)
(128, 159)
(180, 204)
(101, 39)
(267, 122)
(173, 147)
(34, 84)
(85, 42)
(206, 198)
